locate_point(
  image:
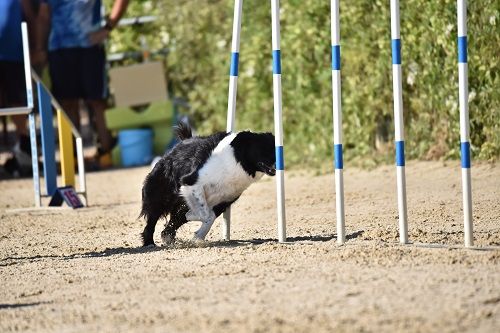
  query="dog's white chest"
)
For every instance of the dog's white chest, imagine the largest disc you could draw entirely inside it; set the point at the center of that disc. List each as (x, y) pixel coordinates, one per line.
(222, 178)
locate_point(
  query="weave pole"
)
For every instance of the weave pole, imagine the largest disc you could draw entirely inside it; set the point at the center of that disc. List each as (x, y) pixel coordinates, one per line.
(231, 100)
(463, 96)
(337, 122)
(278, 122)
(398, 122)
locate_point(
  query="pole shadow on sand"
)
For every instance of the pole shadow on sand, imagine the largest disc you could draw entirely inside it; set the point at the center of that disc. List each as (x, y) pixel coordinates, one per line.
(7, 306)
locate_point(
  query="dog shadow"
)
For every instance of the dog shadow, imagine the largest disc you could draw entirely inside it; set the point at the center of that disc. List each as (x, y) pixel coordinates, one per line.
(179, 244)
(92, 254)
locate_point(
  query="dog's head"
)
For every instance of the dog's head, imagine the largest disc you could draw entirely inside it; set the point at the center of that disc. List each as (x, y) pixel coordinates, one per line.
(265, 155)
(255, 152)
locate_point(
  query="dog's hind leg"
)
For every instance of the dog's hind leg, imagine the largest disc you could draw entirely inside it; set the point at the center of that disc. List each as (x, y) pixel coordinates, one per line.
(177, 219)
(147, 234)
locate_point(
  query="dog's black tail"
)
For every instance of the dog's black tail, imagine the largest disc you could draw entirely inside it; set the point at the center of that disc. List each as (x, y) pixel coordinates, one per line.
(183, 131)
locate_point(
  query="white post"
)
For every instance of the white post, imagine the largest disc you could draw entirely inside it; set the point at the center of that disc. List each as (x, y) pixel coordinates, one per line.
(231, 101)
(337, 122)
(278, 125)
(463, 95)
(27, 65)
(31, 116)
(398, 122)
(81, 169)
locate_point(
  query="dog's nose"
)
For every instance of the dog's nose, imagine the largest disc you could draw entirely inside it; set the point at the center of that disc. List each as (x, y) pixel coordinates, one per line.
(272, 170)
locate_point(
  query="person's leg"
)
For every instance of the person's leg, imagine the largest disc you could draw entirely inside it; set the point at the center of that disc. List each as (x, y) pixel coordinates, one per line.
(104, 135)
(66, 80)
(22, 149)
(13, 94)
(13, 91)
(72, 109)
(96, 91)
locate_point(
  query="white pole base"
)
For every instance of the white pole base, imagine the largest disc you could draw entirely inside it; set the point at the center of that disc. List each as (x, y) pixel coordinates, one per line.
(403, 215)
(226, 225)
(280, 203)
(467, 206)
(339, 196)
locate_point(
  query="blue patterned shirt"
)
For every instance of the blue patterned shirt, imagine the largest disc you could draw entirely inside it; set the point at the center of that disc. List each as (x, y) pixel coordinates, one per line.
(72, 22)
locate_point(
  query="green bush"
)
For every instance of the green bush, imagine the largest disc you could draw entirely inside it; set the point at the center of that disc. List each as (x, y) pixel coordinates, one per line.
(198, 34)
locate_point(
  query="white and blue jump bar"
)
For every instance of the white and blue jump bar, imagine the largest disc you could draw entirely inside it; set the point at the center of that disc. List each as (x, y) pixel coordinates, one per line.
(337, 122)
(398, 122)
(463, 95)
(231, 101)
(278, 121)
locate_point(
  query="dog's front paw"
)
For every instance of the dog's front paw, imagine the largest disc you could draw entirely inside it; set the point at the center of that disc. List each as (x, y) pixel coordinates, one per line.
(197, 238)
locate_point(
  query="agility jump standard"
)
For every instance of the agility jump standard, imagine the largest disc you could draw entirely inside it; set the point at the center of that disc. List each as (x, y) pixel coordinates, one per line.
(399, 123)
(66, 131)
(278, 124)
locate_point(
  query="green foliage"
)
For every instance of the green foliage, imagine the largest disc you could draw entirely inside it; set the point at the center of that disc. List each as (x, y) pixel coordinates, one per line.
(132, 38)
(198, 34)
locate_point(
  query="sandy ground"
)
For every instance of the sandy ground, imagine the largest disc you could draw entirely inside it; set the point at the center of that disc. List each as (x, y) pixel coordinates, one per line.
(84, 270)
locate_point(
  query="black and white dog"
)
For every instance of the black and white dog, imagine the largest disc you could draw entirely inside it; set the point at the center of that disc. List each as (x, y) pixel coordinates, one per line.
(202, 176)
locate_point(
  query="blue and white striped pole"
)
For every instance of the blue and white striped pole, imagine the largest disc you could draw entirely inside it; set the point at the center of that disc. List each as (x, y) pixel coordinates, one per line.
(337, 122)
(398, 122)
(278, 125)
(463, 95)
(231, 101)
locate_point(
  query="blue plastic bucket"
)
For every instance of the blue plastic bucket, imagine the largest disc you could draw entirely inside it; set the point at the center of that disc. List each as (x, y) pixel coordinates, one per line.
(136, 146)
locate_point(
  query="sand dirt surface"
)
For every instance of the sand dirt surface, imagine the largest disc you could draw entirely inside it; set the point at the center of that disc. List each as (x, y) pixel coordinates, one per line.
(84, 270)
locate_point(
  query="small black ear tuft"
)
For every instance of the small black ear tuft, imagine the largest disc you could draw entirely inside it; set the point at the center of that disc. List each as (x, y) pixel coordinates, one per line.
(183, 131)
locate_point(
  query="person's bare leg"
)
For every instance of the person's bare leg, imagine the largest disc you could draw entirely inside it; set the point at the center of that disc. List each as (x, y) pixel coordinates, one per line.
(72, 108)
(105, 139)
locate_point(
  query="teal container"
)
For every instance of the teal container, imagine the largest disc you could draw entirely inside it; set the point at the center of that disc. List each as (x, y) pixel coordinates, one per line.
(136, 146)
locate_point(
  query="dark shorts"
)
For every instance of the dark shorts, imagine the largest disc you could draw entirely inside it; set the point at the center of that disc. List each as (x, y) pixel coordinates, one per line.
(79, 73)
(12, 84)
